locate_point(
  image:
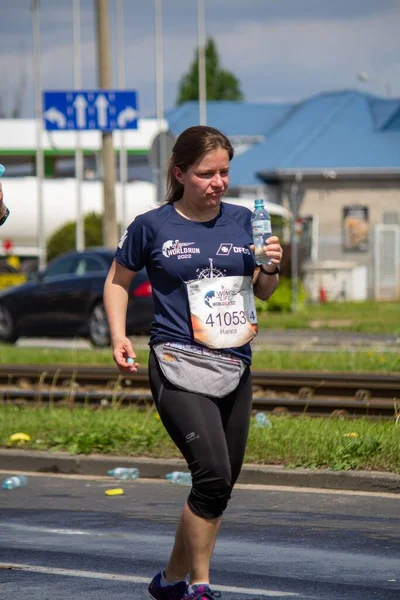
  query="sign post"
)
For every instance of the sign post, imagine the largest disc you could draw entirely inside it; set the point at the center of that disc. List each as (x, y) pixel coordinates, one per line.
(89, 110)
(160, 151)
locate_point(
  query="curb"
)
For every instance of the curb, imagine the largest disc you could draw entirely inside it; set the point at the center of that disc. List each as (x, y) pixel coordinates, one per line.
(97, 464)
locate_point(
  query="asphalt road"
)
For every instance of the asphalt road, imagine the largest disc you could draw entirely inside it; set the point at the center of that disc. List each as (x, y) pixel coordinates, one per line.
(63, 538)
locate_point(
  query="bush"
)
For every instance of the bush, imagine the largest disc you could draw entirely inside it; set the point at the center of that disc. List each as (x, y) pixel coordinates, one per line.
(64, 239)
(281, 299)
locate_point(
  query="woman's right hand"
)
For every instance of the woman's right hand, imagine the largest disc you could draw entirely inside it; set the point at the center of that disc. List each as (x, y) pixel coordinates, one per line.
(1, 201)
(124, 355)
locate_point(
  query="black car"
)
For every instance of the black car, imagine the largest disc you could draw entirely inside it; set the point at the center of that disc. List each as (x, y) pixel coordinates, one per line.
(66, 300)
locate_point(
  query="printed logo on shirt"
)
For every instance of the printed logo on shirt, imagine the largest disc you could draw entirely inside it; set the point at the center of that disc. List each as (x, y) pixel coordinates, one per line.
(179, 249)
(224, 249)
(123, 238)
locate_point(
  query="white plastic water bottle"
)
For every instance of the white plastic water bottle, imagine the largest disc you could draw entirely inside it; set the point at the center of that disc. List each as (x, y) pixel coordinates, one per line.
(262, 420)
(261, 228)
(179, 477)
(15, 481)
(124, 473)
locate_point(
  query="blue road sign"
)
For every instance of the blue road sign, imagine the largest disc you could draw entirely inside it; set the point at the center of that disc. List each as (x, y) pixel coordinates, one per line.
(82, 109)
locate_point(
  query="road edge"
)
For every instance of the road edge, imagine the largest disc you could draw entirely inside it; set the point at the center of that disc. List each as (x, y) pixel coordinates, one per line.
(157, 468)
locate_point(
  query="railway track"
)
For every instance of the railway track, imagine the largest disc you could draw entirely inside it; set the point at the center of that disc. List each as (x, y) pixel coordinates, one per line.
(277, 391)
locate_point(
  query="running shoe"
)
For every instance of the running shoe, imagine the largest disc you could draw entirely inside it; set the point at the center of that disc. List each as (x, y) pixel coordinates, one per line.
(166, 592)
(201, 592)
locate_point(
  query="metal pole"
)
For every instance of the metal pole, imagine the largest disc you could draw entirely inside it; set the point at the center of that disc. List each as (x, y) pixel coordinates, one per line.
(294, 197)
(110, 229)
(80, 232)
(202, 63)
(123, 159)
(41, 236)
(162, 146)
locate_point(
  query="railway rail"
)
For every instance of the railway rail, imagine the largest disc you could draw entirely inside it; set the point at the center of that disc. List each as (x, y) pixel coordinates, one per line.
(315, 393)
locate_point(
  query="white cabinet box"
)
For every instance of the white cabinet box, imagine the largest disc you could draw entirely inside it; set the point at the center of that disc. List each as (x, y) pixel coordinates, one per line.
(336, 281)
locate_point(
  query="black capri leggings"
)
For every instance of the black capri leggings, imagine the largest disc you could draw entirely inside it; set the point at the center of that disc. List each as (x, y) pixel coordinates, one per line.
(210, 432)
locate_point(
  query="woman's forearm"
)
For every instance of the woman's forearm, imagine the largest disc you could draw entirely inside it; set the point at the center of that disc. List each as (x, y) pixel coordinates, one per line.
(265, 285)
(116, 303)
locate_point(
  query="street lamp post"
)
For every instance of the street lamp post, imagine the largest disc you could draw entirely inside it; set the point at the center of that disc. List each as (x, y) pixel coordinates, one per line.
(80, 231)
(39, 148)
(123, 158)
(202, 63)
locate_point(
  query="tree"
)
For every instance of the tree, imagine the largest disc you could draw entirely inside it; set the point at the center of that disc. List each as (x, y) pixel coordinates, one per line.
(12, 108)
(220, 84)
(64, 238)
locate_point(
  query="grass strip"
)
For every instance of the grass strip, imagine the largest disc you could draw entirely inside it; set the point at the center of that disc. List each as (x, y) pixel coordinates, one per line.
(301, 441)
(353, 362)
(362, 317)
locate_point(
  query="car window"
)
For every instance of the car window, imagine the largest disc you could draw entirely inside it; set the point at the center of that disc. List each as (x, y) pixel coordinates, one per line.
(89, 264)
(64, 266)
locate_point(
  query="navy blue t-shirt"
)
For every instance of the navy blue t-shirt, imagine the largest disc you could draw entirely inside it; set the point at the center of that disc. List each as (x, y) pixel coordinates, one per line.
(175, 250)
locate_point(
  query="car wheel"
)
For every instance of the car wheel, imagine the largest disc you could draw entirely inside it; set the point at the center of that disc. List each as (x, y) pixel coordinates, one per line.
(99, 332)
(8, 333)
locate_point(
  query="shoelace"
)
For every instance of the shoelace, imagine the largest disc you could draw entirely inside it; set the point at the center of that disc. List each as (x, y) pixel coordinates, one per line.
(207, 595)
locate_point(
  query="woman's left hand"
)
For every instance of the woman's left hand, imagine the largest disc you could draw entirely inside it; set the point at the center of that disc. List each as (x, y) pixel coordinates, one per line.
(273, 250)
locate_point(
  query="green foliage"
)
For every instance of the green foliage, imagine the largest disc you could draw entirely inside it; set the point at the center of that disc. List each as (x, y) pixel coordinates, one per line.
(307, 442)
(64, 239)
(220, 84)
(281, 299)
(353, 451)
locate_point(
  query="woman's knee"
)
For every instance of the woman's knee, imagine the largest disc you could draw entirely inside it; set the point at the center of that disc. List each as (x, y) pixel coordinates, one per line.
(211, 492)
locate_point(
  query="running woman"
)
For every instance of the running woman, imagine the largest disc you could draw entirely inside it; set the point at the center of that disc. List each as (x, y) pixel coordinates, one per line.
(199, 257)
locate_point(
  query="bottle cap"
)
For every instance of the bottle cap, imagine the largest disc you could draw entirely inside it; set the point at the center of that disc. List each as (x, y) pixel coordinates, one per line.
(258, 203)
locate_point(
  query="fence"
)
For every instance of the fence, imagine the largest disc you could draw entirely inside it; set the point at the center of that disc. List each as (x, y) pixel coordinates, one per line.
(387, 262)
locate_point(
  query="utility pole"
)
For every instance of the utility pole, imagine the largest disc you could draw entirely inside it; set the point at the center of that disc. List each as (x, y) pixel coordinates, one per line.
(110, 229)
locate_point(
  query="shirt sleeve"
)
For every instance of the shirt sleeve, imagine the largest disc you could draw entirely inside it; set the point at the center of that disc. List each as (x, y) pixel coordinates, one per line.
(134, 245)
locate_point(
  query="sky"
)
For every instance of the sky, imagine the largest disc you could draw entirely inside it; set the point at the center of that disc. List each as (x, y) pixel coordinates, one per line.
(280, 50)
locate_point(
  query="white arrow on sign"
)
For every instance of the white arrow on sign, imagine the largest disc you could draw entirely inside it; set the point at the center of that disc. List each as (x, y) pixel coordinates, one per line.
(55, 116)
(80, 104)
(101, 105)
(126, 115)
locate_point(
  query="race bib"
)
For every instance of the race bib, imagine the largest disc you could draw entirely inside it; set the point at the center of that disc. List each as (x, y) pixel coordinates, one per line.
(222, 310)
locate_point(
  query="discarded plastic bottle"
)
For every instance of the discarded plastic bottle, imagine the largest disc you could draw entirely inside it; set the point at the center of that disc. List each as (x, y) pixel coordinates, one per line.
(13, 482)
(124, 473)
(179, 477)
(262, 420)
(261, 228)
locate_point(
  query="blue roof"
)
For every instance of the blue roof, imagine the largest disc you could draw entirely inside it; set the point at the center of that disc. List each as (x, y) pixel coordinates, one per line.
(338, 130)
(233, 118)
(333, 130)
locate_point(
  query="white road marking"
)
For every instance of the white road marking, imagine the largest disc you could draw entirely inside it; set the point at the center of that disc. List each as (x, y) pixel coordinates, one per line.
(135, 579)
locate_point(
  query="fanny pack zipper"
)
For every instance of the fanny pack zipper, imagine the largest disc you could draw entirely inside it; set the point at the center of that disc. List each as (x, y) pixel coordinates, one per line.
(235, 361)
